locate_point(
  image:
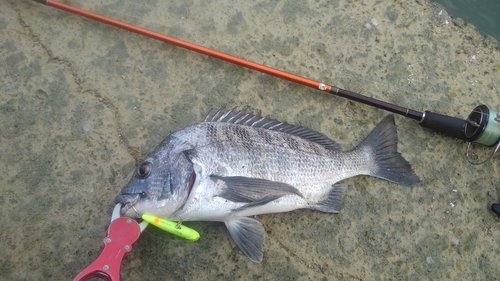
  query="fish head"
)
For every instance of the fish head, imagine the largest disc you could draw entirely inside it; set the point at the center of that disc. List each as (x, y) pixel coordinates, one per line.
(160, 185)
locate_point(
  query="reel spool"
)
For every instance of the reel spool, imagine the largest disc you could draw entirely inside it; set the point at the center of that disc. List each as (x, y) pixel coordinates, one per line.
(482, 126)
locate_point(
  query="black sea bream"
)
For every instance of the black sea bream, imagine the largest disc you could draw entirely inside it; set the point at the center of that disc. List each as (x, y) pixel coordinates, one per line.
(234, 164)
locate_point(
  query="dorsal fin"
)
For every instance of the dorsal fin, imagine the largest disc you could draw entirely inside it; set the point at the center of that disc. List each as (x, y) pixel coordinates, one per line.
(248, 119)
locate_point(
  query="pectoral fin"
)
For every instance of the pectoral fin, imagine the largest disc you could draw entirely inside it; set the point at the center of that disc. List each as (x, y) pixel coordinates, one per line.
(244, 189)
(249, 236)
(259, 202)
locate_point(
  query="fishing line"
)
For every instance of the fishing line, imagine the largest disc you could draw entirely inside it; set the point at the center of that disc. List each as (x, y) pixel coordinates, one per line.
(479, 127)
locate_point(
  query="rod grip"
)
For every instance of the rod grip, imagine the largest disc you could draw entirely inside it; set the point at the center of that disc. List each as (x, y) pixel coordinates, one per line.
(451, 126)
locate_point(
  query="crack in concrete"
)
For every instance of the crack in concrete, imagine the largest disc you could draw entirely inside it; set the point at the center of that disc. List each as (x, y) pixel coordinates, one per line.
(34, 37)
(76, 79)
(119, 128)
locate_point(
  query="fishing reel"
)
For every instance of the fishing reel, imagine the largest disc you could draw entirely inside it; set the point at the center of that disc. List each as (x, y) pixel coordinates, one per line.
(482, 126)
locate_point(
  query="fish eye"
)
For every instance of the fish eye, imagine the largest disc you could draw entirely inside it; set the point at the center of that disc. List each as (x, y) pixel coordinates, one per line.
(144, 170)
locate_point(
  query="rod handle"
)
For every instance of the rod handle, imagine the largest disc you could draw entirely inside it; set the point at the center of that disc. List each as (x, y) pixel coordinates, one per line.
(451, 126)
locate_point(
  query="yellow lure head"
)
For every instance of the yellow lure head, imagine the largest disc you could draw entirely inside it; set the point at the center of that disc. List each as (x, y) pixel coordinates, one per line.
(172, 227)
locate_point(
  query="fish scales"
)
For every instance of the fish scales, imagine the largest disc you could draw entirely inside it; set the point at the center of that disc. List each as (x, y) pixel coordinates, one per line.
(272, 155)
(235, 164)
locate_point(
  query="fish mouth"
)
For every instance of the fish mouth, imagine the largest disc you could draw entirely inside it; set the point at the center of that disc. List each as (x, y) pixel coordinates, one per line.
(128, 201)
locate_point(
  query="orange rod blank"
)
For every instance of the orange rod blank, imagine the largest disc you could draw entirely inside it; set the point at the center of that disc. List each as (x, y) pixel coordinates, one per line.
(248, 64)
(187, 45)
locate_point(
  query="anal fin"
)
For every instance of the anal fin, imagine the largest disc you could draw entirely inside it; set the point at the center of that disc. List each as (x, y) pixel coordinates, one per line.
(249, 236)
(332, 203)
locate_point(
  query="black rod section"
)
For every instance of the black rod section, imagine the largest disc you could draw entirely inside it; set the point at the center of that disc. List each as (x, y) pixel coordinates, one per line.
(412, 114)
(451, 126)
(447, 125)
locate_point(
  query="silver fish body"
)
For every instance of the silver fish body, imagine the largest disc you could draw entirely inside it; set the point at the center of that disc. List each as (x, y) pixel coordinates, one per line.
(234, 164)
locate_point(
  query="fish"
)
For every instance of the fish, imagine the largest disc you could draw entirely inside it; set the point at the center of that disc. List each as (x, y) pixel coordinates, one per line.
(234, 165)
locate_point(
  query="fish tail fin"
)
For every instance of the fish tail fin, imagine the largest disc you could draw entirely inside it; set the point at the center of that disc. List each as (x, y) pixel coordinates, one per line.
(389, 164)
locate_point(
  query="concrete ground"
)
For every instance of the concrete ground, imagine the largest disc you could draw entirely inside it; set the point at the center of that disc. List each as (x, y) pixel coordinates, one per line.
(81, 102)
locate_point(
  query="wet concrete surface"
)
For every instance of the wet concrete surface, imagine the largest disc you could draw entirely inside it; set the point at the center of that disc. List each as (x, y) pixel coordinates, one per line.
(83, 101)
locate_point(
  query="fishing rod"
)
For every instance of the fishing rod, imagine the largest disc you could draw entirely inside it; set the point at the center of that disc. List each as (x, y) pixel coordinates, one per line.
(481, 126)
